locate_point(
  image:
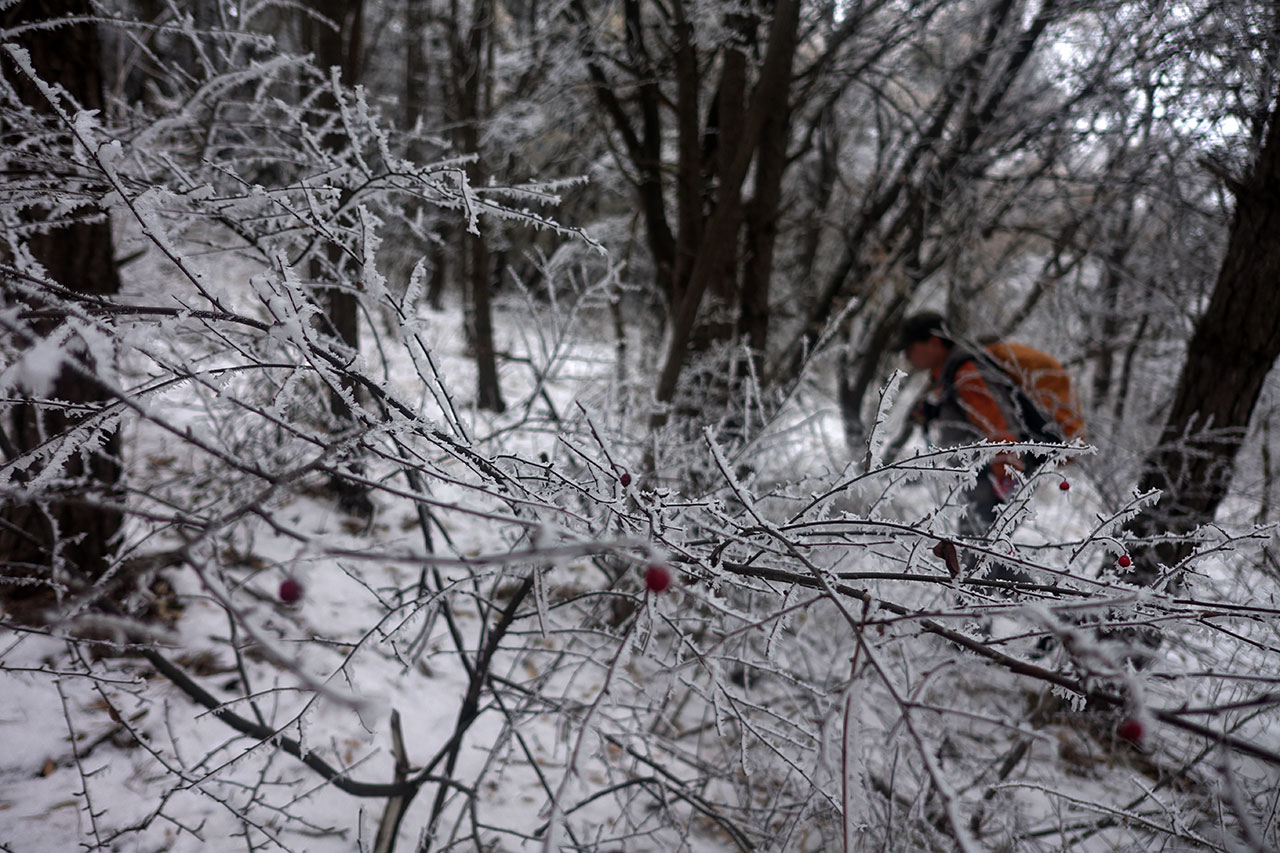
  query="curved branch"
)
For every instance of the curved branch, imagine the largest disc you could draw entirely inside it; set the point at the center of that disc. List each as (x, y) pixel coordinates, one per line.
(289, 745)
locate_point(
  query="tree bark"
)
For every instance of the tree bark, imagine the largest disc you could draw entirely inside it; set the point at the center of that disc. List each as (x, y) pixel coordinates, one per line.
(770, 97)
(690, 170)
(417, 71)
(76, 536)
(762, 236)
(1234, 346)
(340, 46)
(417, 104)
(466, 89)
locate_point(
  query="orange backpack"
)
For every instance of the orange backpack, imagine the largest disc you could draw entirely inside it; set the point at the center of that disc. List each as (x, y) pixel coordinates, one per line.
(1046, 382)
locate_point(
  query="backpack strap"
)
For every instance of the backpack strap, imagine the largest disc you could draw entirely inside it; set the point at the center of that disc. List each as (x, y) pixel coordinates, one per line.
(1032, 423)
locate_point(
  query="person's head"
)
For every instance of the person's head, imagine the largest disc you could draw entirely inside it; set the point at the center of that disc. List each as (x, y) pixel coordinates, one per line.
(924, 339)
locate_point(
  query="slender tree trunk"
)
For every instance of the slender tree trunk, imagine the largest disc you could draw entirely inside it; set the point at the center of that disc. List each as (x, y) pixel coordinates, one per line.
(731, 120)
(467, 90)
(488, 385)
(417, 71)
(1104, 369)
(820, 188)
(72, 539)
(645, 149)
(1115, 259)
(717, 387)
(1234, 347)
(762, 236)
(689, 166)
(417, 104)
(341, 48)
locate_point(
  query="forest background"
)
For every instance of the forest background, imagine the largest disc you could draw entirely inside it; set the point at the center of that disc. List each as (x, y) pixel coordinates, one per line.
(476, 426)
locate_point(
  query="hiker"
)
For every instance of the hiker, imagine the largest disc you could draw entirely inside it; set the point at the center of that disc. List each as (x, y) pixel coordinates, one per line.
(1003, 393)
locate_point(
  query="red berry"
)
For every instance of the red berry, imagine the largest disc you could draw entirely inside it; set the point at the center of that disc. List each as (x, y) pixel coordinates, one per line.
(1130, 730)
(1064, 485)
(1124, 561)
(657, 578)
(625, 479)
(290, 590)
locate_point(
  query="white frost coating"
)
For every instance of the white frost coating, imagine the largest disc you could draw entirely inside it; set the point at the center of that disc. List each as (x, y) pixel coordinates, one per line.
(273, 293)
(877, 439)
(148, 208)
(853, 766)
(84, 126)
(110, 152)
(102, 351)
(37, 369)
(22, 59)
(412, 295)
(375, 283)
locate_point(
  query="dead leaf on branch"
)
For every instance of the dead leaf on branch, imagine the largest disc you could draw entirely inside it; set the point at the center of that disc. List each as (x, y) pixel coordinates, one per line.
(946, 549)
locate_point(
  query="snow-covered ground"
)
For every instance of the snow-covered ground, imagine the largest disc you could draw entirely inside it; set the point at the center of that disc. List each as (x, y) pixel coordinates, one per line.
(744, 708)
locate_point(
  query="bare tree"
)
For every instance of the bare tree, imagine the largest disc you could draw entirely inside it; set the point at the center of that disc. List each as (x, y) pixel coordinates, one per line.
(709, 234)
(421, 99)
(470, 44)
(1234, 348)
(333, 30)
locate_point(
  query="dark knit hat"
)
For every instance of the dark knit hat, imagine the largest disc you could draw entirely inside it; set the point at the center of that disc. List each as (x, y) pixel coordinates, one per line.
(921, 327)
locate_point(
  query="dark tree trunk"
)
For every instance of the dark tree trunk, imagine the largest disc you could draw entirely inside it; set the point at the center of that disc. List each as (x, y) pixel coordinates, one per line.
(1234, 347)
(1110, 323)
(466, 103)
(488, 386)
(417, 72)
(762, 236)
(690, 169)
(645, 150)
(73, 538)
(819, 188)
(417, 105)
(340, 46)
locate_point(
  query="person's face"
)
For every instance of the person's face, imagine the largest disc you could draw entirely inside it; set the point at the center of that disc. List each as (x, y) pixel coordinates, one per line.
(925, 355)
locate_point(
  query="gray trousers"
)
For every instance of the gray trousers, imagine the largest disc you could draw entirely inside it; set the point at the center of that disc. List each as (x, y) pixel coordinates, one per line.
(982, 507)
